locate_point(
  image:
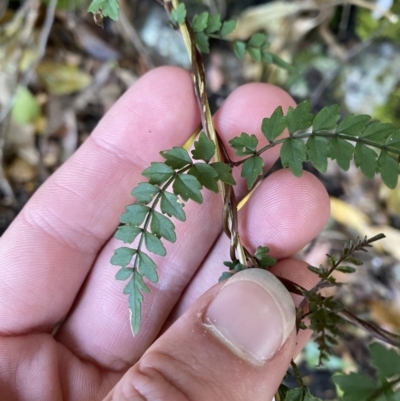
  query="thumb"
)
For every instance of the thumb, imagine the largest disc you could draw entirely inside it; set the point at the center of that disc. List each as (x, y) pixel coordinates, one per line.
(235, 343)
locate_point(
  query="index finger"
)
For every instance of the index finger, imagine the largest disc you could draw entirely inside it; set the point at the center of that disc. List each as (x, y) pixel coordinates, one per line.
(49, 249)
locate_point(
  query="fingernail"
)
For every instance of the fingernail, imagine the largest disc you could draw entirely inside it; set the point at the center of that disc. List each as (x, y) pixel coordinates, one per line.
(253, 315)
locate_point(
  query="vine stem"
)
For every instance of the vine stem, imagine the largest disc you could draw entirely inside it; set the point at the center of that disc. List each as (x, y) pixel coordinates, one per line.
(199, 85)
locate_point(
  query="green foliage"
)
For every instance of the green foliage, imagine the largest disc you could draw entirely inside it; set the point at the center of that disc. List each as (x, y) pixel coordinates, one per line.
(300, 394)
(263, 259)
(26, 108)
(206, 26)
(382, 387)
(106, 8)
(178, 15)
(377, 145)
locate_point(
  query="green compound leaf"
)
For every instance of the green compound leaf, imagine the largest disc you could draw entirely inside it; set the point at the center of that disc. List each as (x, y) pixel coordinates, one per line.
(204, 148)
(134, 214)
(251, 169)
(365, 158)
(318, 151)
(227, 28)
(244, 144)
(127, 233)
(154, 244)
(158, 173)
(327, 118)
(343, 152)
(145, 192)
(272, 127)
(386, 361)
(147, 268)
(394, 140)
(262, 257)
(122, 256)
(200, 22)
(108, 8)
(224, 172)
(293, 154)
(389, 169)
(124, 273)
(172, 206)
(353, 125)
(206, 175)
(257, 40)
(299, 118)
(378, 132)
(214, 23)
(202, 42)
(135, 288)
(178, 15)
(188, 187)
(176, 157)
(239, 48)
(355, 386)
(162, 226)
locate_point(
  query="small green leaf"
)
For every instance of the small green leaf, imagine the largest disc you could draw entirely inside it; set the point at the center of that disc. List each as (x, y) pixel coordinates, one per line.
(154, 244)
(145, 192)
(251, 169)
(343, 152)
(355, 386)
(158, 173)
(299, 118)
(386, 360)
(214, 23)
(26, 108)
(124, 273)
(326, 118)
(122, 256)
(378, 132)
(147, 267)
(172, 206)
(200, 22)
(353, 125)
(127, 233)
(272, 127)
(264, 260)
(239, 48)
(365, 158)
(244, 144)
(224, 172)
(394, 140)
(109, 8)
(279, 62)
(255, 53)
(134, 214)
(293, 154)
(257, 40)
(206, 175)
(178, 15)
(346, 269)
(227, 28)
(162, 226)
(204, 148)
(188, 187)
(224, 276)
(318, 151)
(202, 42)
(389, 169)
(176, 157)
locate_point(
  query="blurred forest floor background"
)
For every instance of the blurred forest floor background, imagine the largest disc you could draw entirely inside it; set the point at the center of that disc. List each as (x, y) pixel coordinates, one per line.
(60, 72)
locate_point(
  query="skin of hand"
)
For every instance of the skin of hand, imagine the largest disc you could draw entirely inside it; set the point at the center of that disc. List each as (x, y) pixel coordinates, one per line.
(199, 341)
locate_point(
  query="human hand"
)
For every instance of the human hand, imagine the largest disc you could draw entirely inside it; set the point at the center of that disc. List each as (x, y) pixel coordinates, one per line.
(55, 265)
